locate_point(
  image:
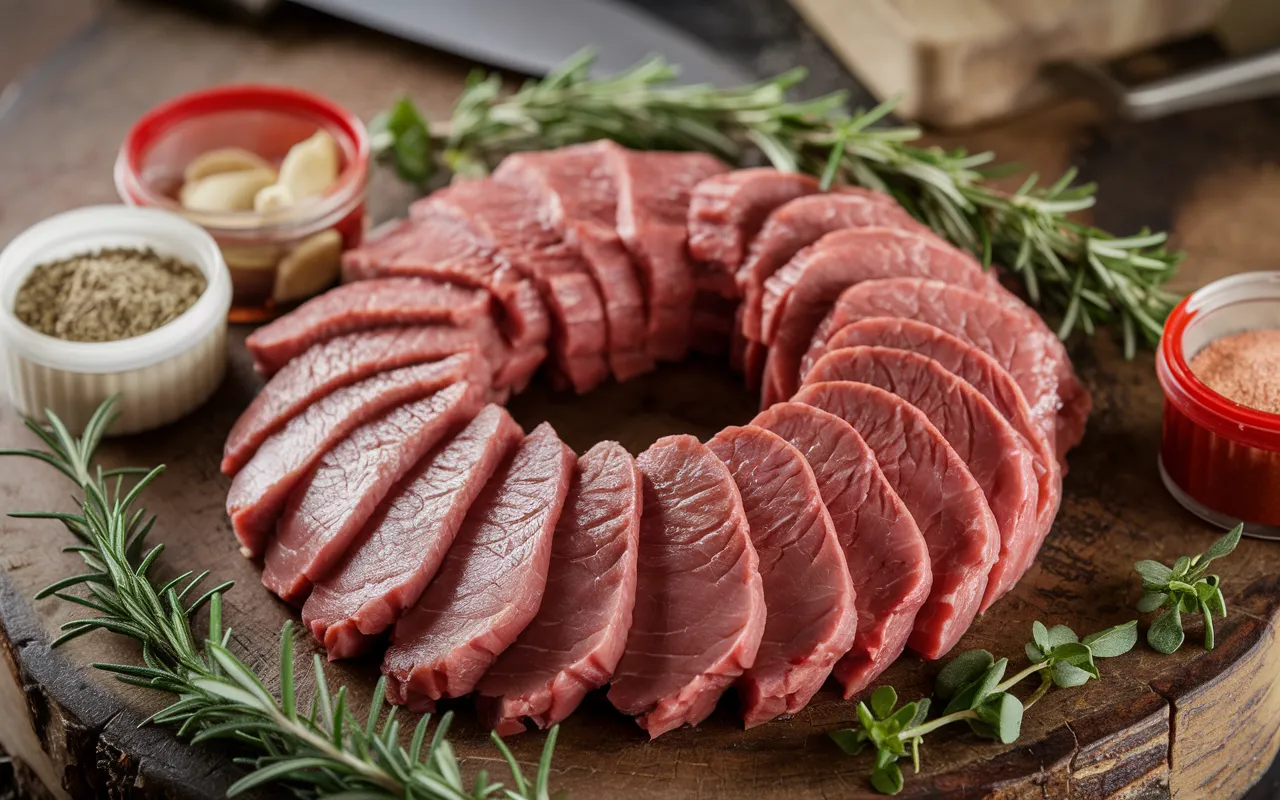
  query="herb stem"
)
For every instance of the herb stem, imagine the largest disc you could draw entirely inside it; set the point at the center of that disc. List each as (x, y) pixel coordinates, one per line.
(1041, 691)
(933, 725)
(1018, 678)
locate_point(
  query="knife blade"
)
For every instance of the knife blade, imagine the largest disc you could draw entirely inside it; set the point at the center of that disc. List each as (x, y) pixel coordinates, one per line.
(534, 36)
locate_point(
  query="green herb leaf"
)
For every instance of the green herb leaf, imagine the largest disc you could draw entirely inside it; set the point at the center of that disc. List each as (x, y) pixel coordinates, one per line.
(1068, 675)
(961, 671)
(887, 779)
(974, 693)
(1114, 641)
(1040, 635)
(883, 700)
(1223, 547)
(1002, 717)
(848, 740)
(1153, 572)
(1165, 634)
(1152, 601)
(1060, 635)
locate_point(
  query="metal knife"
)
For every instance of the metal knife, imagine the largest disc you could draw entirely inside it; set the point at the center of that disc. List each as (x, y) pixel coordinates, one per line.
(534, 36)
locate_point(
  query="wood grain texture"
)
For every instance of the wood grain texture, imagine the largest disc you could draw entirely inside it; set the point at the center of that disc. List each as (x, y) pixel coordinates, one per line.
(1139, 734)
(959, 62)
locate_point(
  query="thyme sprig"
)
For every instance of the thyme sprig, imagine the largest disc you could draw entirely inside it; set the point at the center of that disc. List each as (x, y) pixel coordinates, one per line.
(976, 692)
(1081, 275)
(321, 751)
(1184, 588)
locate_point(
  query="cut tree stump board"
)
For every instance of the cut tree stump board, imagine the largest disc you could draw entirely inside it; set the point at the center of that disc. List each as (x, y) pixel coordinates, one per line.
(1193, 725)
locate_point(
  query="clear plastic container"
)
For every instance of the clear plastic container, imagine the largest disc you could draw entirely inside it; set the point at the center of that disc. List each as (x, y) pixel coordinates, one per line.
(266, 120)
(1220, 459)
(161, 375)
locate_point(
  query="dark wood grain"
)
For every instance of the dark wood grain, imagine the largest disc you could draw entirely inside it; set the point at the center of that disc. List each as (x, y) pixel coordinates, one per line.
(1193, 725)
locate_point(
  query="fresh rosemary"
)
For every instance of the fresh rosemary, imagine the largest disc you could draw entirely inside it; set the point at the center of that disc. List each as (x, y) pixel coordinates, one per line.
(976, 692)
(1184, 588)
(1083, 276)
(323, 751)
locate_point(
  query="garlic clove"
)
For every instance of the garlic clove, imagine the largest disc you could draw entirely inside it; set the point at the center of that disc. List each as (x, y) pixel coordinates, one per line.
(251, 256)
(226, 191)
(224, 159)
(272, 198)
(311, 166)
(310, 267)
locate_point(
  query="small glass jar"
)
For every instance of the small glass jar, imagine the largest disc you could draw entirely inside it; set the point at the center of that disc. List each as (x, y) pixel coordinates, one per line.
(1219, 459)
(268, 121)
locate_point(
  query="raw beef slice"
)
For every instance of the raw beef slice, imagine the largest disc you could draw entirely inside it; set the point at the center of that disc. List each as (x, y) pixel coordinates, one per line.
(577, 191)
(445, 247)
(508, 218)
(700, 608)
(340, 362)
(1019, 340)
(401, 547)
(330, 506)
(997, 456)
(801, 222)
(574, 643)
(808, 594)
(259, 491)
(800, 294)
(653, 205)
(358, 306)
(983, 373)
(886, 554)
(726, 212)
(491, 583)
(936, 487)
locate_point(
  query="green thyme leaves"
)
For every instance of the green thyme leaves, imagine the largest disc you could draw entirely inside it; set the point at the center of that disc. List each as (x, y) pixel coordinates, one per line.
(1184, 588)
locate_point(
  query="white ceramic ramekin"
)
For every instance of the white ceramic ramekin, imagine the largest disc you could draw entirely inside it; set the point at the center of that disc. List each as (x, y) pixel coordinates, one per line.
(159, 376)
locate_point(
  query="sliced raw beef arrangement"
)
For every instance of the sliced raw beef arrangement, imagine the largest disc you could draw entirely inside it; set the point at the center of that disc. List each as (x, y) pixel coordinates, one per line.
(901, 477)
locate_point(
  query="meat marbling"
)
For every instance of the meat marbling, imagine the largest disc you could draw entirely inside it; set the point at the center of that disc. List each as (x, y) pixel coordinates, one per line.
(999, 459)
(886, 554)
(808, 593)
(328, 508)
(259, 491)
(574, 643)
(402, 546)
(936, 487)
(367, 304)
(491, 582)
(700, 609)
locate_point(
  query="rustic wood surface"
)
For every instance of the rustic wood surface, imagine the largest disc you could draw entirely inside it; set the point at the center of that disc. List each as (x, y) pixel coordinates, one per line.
(1194, 725)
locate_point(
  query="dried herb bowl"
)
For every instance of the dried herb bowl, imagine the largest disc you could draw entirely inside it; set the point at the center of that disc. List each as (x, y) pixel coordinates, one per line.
(161, 375)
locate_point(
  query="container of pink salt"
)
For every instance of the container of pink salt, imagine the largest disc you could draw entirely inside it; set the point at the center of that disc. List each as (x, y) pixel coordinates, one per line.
(1219, 366)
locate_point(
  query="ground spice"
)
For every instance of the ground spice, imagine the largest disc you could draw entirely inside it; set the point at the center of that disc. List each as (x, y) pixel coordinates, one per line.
(108, 295)
(1243, 367)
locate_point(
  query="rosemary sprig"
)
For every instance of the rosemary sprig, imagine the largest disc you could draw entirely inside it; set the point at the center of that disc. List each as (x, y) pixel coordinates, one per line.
(976, 692)
(1184, 588)
(1083, 276)
(322, 751)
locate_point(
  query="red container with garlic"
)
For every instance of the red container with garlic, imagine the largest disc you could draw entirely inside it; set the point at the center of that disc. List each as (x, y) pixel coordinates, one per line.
(1219, 366)
(276, 175)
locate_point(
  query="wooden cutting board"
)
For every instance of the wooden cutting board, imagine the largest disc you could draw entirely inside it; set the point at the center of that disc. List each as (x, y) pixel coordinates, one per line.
(959, 62)
(1194, 725)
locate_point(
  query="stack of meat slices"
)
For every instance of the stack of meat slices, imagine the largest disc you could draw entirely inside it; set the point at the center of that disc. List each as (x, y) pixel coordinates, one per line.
(903, 472)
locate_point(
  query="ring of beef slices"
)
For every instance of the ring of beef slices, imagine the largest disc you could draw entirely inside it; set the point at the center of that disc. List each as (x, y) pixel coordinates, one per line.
(907, 485)
(999, 459)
